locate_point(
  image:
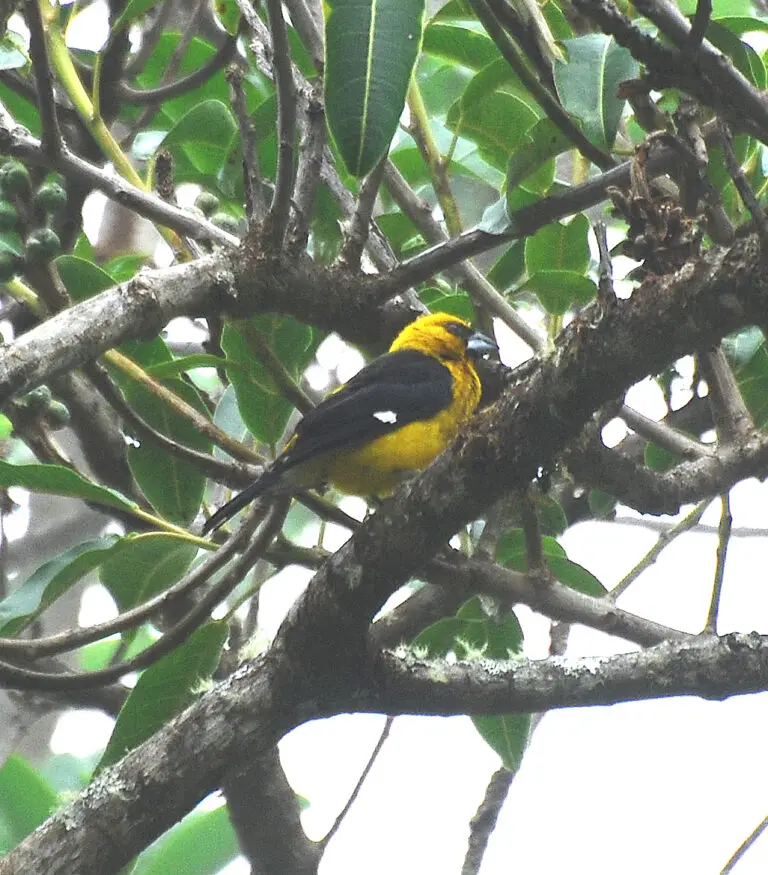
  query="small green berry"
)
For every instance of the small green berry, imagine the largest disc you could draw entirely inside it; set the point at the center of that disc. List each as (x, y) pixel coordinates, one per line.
(207, 202)
(50, 198)
(226, 222)
(14, 179)
(42, 246)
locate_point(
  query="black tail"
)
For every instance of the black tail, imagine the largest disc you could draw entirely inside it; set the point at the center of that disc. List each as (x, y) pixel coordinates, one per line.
(263, 486)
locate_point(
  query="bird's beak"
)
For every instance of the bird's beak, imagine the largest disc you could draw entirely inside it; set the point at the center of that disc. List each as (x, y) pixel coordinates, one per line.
(480, 344)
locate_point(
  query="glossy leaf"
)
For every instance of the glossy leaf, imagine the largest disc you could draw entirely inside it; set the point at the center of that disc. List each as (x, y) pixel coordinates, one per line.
(50, 581)
(164, 689)
(753, 383)
(57, 480)
(203, 136)
(510, 551)
(587, 84)
(371, 50)
(144, 566)
(203, 843)
(540, 144)
(173, 486)
(559, 246)
(26, 800)
(461, 44)
(263, 409)
(82, 278)
(560, 290)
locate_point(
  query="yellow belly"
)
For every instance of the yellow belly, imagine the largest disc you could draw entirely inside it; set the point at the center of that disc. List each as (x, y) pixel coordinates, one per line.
(376, 468)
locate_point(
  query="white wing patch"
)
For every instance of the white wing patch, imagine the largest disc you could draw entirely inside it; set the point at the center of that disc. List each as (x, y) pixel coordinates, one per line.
(387, 416)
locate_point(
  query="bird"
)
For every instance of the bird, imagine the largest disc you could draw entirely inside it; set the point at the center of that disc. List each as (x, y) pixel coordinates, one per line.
(390, 420)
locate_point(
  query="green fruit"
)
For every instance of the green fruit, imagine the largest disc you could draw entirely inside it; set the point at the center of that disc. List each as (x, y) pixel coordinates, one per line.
(9, 266)
(14, 179)
(9, 216)
(39, 398)
(57, 415)
(226, 222)
(50, 197)
(42, 246)
(206, 202)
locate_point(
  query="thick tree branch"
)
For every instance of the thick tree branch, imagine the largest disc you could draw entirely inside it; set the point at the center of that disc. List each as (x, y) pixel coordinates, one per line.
(241, 718)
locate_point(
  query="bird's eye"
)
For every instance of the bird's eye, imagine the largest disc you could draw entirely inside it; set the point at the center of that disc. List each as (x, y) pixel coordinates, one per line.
(462, 331)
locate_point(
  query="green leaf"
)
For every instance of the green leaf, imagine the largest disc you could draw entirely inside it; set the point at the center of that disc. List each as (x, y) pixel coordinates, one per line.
(601, 504)
(753, 383)
(473, 633)
(26, 800)
(11, 54)
(228, 13)
(263, 409)
(50, 581)
(204, 842)
(587, 84)
(144, 566)
(57, 480)
(188, 363)
(132, 11)
(559, 290)
(495, 119)
(743, 56)
(203, 136)
(559, 247)
(164, 689)
(457, 305)
(371, 49)
(6, 427)
(82, 279)
(509, 267)
(508, 735)
(460, 43)
(540, 144)
(510, 552)
(173, 486)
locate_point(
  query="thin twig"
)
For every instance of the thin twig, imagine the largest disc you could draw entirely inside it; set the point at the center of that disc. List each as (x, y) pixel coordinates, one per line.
(286, 121)
(360, 781)
(255, 204)
(723, 539)
(699, 25)
(664, 540)
(51, 140)
(745, 846)
(309, 173)
(233, 473)
(16, 677)
(169, 90)
(663, 435)
(357, 235)
(733, 421)
(605, 290)
(742, 184)
(483, 823)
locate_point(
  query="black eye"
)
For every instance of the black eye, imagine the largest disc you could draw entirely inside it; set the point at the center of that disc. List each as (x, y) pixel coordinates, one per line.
(462, 331)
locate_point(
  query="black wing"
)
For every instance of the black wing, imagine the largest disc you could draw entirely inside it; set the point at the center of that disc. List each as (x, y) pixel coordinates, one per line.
(392, 391)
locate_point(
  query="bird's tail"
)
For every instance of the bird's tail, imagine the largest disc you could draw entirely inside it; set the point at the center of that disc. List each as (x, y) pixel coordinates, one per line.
(265, 485)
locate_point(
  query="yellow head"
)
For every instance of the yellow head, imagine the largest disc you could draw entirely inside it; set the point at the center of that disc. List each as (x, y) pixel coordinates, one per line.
(443, 336)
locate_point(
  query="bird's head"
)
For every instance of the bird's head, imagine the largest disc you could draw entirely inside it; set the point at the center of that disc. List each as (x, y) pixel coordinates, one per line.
(444, 336)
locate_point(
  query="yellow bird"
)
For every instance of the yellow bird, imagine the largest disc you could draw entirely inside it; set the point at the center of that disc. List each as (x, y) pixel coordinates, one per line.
(390, 420)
